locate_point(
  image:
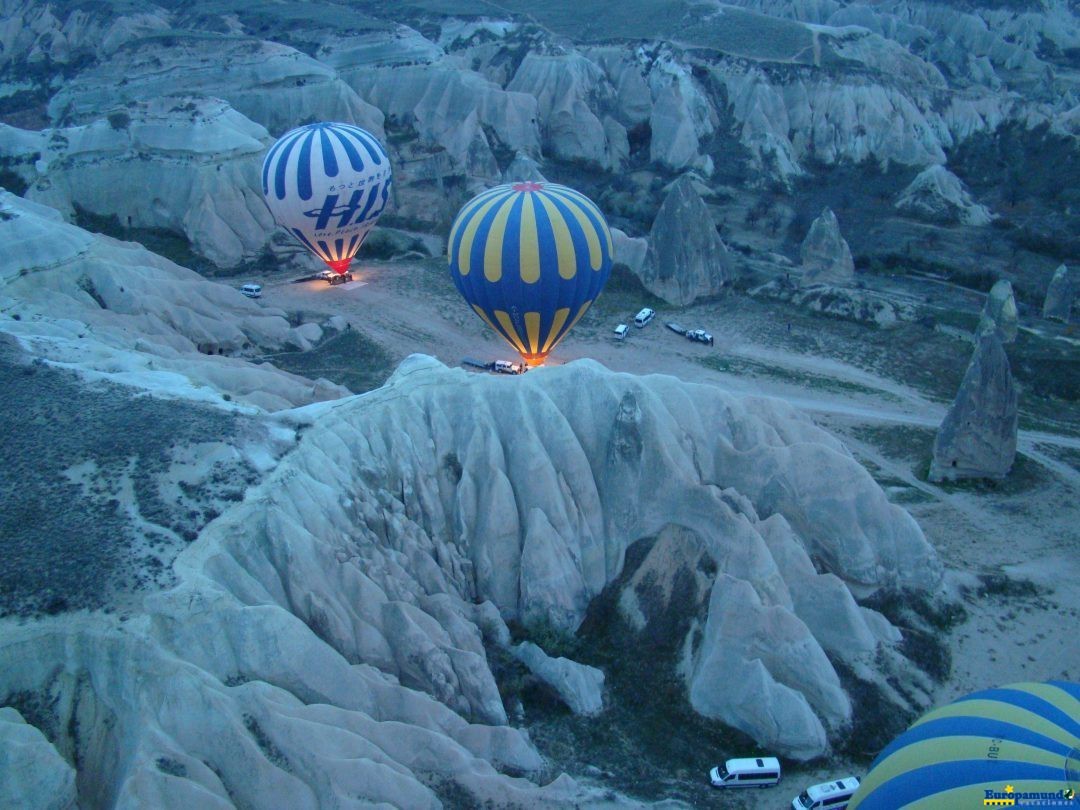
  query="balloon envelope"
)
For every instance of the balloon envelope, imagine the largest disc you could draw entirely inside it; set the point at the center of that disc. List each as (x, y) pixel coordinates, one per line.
(530, 258)
(327, 184)
(1019, 739)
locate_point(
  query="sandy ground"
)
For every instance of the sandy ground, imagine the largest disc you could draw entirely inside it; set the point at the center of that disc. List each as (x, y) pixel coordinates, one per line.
(1031, 532)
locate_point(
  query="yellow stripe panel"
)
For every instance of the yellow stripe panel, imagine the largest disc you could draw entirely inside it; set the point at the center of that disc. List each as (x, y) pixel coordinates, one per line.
(954, 749)
(508, 326)
(595, 258)
(1052, 695)
(528, 245)
(532, 327)
(470, 234)
(1005, 712)
(487, 320)
(560, 318)
(493, 248)
(463, 218)
(971, 796)
(564, 244)
(552, 341)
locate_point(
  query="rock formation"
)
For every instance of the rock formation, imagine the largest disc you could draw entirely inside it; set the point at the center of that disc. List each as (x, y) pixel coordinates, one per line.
(452, 108)
(580, 687)
(628, 250)
(938, 195)
(977, 439)
(272, 84)
(31, 769)
(999, 313)
(826, 258)
(573, 129)
(114, 308)
(1059, 296)
(193, 167)
(686, 259)
(326, 636)
(523, 167)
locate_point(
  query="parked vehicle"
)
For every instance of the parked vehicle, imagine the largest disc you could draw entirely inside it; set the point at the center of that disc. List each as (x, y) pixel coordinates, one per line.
(827, 796)
(330, 277)
(643, 317)
(252, 290)
(506, 367)
(743, 773)
(700, 336)
(621, 331)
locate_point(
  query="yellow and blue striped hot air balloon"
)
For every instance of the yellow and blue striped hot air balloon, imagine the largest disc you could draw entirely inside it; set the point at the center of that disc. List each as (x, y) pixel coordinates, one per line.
(1016, 745)
(530, 258)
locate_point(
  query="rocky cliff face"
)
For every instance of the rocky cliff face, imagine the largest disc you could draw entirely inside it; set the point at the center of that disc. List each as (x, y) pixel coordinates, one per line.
(765, 94)
(686, 259)
(977, 439)
(191, 167)
(115, 309)
(349, 599)
(826, 257)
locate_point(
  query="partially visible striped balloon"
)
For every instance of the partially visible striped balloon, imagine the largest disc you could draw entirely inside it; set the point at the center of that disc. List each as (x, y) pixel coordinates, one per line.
(327, 184)
(981, 751)
(530, 258)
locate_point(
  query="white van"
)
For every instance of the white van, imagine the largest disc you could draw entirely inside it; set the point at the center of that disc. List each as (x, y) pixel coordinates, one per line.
(740, 773)
(621, 330)
(644, 317)
(252, 290)
(827, 796)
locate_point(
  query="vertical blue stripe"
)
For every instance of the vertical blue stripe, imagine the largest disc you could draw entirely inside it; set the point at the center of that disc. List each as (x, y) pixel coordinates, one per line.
(355, 160)
(300, 235)
(370, 145)
(303, 168)
(330, 166)
(282, 163)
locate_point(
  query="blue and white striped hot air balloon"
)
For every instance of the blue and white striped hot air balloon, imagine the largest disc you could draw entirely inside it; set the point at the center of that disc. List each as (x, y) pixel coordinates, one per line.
(530, 258)
(327, 184)
(1006, 747)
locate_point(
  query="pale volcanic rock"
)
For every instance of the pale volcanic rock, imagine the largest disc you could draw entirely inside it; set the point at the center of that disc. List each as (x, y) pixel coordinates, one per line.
(1060, 295)
(398, 46)
(523, 167)
(826, 257)
(272, 84)
(32, 32)
(572, 93)
(113, 308)
(451, 107)
(193, 166)
(629, 250)
(977, 438)
(938, 195)
(686, 258)
(579, 686)
(489, 536)
(999, 313)
(32, 772)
